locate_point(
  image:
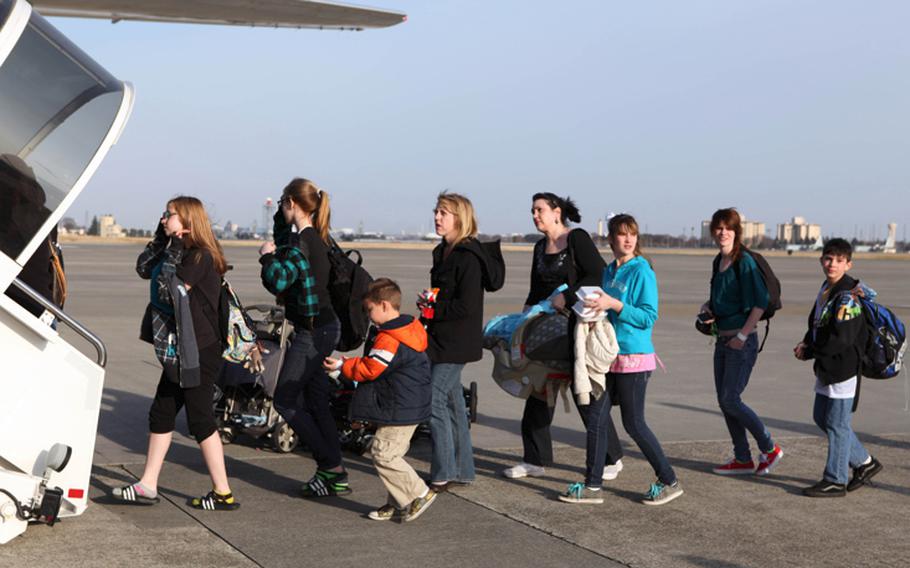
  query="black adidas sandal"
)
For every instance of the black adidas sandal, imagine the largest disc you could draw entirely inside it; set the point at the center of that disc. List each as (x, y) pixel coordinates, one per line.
(326, 484)
(129, 494)
(212, 501)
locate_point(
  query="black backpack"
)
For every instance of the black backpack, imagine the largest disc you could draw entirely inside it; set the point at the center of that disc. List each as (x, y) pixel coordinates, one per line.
(348, 282)
(771, 283)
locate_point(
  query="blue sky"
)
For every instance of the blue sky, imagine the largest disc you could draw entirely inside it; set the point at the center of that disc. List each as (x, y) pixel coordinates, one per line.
(667, 110)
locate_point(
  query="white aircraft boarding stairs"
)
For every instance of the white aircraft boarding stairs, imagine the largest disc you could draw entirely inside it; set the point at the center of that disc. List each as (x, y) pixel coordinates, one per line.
(60, 113)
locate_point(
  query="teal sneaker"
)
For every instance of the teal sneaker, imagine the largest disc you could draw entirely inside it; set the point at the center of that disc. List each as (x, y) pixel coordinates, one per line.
(580, 493)
(660, 494)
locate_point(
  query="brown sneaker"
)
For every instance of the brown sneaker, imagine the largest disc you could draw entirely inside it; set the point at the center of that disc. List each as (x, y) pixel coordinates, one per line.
(419, 505)
(384, 513)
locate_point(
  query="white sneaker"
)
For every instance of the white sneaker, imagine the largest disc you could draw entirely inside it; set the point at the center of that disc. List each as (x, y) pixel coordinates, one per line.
(523, 470)
(611, 472)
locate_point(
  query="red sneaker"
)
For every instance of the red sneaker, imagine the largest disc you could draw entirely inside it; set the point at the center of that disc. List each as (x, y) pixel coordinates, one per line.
(769, 460)
(734, 467)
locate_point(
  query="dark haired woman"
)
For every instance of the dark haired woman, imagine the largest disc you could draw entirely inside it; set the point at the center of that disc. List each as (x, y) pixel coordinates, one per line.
(739, 297)
(563, 256)
(296, 269)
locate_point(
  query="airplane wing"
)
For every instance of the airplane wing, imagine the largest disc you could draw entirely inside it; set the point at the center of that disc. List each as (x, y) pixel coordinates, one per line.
(270, 13)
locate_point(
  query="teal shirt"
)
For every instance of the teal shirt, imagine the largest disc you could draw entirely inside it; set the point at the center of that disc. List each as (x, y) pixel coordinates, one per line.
(733, 297)
(635, 285)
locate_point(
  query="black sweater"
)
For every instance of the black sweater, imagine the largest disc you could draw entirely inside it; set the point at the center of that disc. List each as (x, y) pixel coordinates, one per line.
(582, 265)
(456, 330)
(838, 337)
(317, 254)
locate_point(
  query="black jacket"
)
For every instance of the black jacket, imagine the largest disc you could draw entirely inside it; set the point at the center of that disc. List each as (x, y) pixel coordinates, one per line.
(839, 335)
(585, 268)
(394, 375)
(456, 329)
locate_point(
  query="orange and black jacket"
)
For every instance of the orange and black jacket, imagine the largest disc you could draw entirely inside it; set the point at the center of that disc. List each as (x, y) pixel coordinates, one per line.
(393, 375)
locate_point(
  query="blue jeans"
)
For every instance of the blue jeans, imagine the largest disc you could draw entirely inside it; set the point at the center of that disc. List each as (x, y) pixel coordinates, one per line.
(732, 369)
(302, 377)
(453, 455)
(629, 390)
(833, 416)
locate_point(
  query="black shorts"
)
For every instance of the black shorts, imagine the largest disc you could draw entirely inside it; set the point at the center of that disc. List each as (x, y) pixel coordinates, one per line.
(171, 397)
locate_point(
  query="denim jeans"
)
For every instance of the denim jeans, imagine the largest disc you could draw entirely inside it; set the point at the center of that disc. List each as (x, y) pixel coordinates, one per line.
(629, 390)
(732, 368)
(453, 455)
(537, 441)
(833, 416)
(302, 394)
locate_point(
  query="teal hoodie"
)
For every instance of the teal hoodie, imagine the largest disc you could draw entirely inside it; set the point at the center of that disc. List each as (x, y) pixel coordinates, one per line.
(635, 285)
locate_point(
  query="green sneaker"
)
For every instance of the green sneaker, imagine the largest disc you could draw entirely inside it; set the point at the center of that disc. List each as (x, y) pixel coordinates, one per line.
(580, 493)
(326, 484)
(660, 494)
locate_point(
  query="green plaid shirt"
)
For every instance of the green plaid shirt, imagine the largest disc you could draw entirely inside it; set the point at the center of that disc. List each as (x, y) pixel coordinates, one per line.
(287, 273)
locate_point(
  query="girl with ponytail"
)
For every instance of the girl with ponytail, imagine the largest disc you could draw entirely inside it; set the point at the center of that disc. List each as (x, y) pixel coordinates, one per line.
(296, 268)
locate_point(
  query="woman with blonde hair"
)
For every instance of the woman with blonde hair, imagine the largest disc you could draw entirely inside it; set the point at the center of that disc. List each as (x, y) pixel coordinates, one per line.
(185, 264)
(452, 310)
(296, 268)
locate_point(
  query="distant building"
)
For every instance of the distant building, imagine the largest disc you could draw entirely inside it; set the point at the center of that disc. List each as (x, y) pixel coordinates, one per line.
(108, 228)
(798, 231)
(753, 231)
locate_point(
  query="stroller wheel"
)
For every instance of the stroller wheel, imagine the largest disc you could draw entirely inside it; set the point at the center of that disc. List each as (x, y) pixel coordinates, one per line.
(227, 435)
(471, 395)
(364, 444)
(284, 439)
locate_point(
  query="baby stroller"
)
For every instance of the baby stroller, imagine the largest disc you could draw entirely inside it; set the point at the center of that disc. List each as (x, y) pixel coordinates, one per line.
(243, 399)
(357, 437)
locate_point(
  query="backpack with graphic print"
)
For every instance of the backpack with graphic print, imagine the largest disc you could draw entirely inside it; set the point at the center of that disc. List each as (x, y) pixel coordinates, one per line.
(235, 326)
(883, 355)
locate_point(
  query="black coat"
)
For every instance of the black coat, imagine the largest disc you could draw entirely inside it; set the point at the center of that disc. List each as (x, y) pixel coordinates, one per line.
(585, 267)
(837, 346)
(456, 329)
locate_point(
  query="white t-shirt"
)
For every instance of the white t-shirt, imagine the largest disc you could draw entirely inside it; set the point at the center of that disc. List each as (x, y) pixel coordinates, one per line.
(844, 389)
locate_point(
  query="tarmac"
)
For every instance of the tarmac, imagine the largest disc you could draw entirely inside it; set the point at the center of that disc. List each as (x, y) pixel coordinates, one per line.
(724, 522)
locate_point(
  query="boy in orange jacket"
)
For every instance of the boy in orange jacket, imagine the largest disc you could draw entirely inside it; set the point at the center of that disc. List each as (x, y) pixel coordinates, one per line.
(393, 392)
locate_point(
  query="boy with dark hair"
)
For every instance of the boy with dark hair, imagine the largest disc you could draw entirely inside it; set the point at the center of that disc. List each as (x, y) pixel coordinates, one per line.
(394, 393)
(837, 333)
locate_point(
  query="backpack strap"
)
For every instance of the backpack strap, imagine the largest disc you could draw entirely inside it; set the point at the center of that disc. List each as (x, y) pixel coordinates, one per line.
(573, 267)
(767, 331)
(59, 276)
(715, 268)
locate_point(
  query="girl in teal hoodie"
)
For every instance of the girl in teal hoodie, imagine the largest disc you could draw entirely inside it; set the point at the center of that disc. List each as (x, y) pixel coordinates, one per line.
(630, 299)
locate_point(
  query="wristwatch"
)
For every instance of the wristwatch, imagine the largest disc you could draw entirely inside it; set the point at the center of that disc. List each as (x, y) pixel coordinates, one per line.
(741, 337)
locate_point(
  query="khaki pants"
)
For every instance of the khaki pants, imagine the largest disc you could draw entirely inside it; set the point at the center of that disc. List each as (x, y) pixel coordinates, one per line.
(402, 482)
